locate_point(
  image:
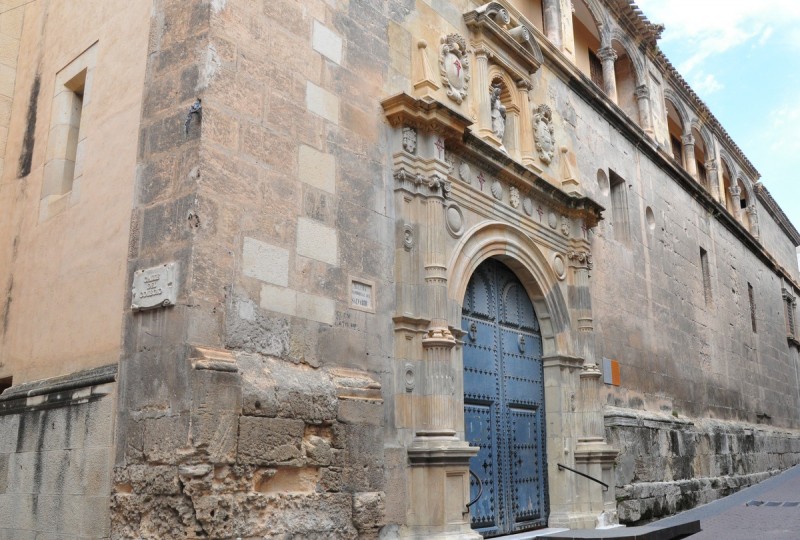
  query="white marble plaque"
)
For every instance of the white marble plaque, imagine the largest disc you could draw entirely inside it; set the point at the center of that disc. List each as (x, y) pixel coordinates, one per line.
(361, 295)
(154, 287)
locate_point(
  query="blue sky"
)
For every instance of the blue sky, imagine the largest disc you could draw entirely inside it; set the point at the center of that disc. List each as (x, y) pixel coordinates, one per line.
(743, 59)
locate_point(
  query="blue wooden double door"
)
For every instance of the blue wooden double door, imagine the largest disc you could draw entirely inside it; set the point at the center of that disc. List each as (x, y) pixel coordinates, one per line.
(504, 403)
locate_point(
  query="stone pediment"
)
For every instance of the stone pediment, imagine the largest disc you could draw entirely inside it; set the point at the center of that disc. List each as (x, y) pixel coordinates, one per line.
(502, 31)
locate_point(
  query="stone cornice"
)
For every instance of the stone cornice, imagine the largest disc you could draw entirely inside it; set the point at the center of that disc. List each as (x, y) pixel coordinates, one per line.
(776, 211)
(426, 114)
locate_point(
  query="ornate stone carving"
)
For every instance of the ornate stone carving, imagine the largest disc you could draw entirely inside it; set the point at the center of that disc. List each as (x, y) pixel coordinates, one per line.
(454, 66)
(513, 195)
(642, 92)
(454, 220)
(527, 206)
(552, 220)
(565, 228)
(402, 176)
(409, 377)
(498, 113)
(688, 140)
(436, 182)
(559, 266)
(543, 133)
(410, 140)
(408, 237)
(465, 173)
(580, 258)
(497, 190)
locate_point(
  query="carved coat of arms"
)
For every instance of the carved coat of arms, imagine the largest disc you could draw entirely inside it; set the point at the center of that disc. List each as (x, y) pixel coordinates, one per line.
(454, 66)
(543, 133)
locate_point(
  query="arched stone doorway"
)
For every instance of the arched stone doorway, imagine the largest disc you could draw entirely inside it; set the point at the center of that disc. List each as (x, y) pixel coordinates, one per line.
(504, 402)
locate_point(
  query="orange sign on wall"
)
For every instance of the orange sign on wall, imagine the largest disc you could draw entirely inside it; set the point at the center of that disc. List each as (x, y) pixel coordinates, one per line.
(611, 373)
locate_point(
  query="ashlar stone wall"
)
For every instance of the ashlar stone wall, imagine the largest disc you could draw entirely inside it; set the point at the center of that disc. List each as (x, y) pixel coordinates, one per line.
(56, 456)
(254, 406)
(672, 463)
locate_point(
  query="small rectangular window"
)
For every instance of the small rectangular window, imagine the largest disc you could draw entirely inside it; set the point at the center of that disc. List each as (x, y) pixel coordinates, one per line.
(67, 138)
(595, 69)
(706, 276)
(791, 329)
(620, 218)
(751, 295)
(5, 383)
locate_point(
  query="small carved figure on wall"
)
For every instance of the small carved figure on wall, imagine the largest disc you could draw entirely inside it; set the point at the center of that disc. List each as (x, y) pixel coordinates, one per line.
(498, 113)
(543, 133)
(409, 139)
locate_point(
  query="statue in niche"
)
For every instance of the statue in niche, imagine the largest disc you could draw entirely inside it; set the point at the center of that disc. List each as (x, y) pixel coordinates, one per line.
(454, 66)
(409, 139)
(498, 113)
(543, 133)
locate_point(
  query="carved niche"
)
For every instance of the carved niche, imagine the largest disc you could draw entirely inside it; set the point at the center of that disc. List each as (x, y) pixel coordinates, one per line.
(454, 66)
(543, 133)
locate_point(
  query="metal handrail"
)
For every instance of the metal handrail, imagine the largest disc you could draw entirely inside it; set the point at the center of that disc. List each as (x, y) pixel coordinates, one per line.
(592, 478)
(480, 490)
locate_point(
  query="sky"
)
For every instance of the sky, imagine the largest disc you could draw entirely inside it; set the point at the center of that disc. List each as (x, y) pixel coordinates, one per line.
(743, 59)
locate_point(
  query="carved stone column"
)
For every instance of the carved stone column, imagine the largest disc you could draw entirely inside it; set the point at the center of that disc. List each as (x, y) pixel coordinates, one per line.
(482, 55)
(752, 214)
(439, 460)
(552, 21)
(712, 173)
(527, 150)
(688, 155)
(736, 193)
(608, 56)
(511, 139)
(643, 101)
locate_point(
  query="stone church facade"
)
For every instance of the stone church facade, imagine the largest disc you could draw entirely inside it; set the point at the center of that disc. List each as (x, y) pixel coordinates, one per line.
(360, 269)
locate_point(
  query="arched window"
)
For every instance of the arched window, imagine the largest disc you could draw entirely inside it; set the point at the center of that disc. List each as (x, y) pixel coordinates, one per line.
(727, 184)
(625, 78)
(587, 43)
(675, 128)
(700, 157)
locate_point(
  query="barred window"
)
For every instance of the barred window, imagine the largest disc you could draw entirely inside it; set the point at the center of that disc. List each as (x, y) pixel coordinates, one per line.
(595, 69)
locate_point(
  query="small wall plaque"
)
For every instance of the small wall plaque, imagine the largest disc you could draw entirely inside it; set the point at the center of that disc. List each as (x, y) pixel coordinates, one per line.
(361, 296)
(154, 287)
(611, 373)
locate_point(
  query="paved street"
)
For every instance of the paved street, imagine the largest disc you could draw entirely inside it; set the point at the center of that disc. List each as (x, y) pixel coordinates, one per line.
(732, 518)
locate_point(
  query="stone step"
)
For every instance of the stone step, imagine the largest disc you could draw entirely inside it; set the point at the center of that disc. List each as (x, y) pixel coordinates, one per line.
(655, 532)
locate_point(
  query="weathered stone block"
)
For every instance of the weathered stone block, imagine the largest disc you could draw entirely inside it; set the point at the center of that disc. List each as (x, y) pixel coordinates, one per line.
(317, 168)
(265, 262)
(326, 42)
(317, 241)
(359, 411)
(153, 479)
(317, 450)
(369, 510)
(270, 441)
(321, 102)
(164, 436)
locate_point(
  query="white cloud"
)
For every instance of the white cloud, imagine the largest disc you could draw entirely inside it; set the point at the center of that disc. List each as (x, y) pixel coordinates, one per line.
(706, 84)
(712, 27)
